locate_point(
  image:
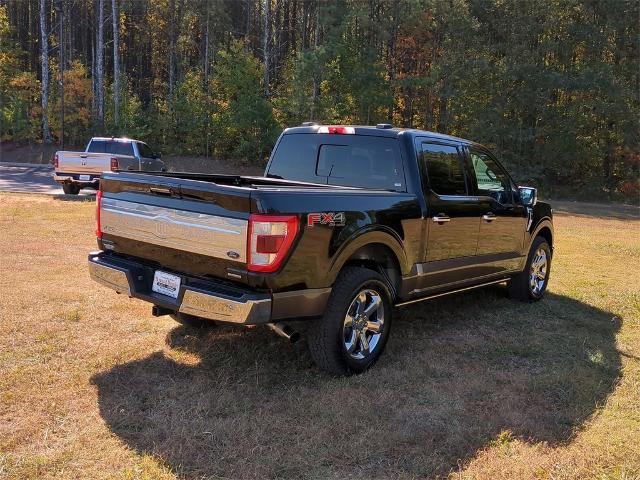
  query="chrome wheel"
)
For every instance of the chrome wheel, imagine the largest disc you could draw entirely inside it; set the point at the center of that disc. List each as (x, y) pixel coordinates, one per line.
(538, 271)
(362, 327)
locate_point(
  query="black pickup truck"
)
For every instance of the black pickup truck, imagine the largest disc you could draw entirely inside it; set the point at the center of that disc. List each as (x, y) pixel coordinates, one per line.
(347, 223)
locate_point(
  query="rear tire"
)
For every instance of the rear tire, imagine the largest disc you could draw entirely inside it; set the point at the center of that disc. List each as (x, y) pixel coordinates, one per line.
(193, 321)
(530, 284)
(70, 188)
(352, 334)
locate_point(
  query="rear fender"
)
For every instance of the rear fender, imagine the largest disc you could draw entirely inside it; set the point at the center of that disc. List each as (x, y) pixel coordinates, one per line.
(360, 240)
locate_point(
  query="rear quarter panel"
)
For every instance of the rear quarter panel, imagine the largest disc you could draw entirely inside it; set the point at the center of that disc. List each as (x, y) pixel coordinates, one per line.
(390, 218)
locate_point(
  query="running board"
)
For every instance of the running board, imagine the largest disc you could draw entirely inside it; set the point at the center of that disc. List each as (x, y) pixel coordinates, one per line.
(429, 297)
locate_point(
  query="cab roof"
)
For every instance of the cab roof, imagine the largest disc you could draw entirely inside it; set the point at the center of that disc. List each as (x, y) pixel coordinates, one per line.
(115, 139)
(381, 130)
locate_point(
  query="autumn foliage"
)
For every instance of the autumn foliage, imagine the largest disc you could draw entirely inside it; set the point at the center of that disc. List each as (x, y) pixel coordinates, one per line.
(550, 85)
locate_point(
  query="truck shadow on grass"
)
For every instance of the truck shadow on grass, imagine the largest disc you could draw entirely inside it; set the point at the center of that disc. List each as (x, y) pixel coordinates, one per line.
(457, 374)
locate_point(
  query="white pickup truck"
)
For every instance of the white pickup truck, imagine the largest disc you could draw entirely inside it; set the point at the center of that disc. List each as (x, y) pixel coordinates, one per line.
(77, 170)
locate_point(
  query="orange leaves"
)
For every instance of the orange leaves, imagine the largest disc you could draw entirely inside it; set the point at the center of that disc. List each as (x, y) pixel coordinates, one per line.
(78, 95)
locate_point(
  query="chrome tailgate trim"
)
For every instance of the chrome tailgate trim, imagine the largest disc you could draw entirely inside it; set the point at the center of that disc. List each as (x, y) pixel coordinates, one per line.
(194, 232)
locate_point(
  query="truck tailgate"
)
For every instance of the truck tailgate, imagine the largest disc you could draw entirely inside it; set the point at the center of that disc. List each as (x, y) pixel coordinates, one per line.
(81, 162)
(179, 224)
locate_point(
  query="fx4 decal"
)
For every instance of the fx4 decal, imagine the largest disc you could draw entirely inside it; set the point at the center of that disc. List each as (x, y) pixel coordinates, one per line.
(333, 219)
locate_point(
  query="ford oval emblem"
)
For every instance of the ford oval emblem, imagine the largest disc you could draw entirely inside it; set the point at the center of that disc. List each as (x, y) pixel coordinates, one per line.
(232, 254)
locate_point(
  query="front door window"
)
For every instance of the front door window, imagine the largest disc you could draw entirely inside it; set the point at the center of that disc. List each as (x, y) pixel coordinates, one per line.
(491, 179)
(503, 222)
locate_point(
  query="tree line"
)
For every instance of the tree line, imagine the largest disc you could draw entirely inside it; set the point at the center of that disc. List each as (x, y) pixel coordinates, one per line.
(551, 85)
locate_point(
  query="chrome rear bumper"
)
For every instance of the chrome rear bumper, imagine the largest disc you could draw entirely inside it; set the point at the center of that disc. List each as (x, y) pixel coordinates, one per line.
(113, 278)
(197, 298)
(67, 178)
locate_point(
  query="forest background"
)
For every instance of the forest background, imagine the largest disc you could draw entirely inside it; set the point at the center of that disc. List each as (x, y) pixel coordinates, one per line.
(552, 86)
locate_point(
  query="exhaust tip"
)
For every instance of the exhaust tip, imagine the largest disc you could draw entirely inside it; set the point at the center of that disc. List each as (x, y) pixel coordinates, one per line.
(294, 337)
(285, 331)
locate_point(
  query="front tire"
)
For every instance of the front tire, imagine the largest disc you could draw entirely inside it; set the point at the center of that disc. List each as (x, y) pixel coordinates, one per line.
(352, 334)
(531, 283)
(70, 189)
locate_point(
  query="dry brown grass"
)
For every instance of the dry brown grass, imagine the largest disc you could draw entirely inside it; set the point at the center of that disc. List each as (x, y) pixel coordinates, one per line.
(472, 386)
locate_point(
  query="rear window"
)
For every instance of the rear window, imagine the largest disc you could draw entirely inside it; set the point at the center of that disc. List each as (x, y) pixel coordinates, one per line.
(350, 160)
(111, 146)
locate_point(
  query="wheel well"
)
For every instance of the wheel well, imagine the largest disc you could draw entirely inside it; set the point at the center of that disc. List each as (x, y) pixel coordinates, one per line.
(380, 258)
(545, 233)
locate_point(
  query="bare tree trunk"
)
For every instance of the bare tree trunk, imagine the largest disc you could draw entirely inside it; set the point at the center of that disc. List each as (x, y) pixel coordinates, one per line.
(172, 47)
(61, 52)
(94, 96)
(294, 26)
(116, 64)
(305, 24)
(205, 66)
(316, 80)
(285, 32)
(247, 27)
(265, 45)
(276, 40)
(443, 114)
(44, 51)
(391, 61)
(100, 66)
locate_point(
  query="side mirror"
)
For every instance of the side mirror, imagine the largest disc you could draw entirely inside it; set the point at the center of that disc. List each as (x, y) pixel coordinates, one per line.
(528, 196)
(157, 155)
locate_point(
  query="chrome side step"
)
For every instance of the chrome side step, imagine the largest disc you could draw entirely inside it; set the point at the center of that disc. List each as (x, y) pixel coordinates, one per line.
(429, 297)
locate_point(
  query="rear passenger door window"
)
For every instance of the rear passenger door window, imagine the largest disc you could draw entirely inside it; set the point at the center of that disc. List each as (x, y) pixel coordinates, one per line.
(452, 216)
(444, 169)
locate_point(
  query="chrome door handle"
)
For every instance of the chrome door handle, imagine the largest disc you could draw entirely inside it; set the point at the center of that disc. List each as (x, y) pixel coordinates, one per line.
(489, 217)
(440, 218)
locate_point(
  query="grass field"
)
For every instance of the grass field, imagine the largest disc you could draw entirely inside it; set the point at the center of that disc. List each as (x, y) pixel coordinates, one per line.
(471, 386)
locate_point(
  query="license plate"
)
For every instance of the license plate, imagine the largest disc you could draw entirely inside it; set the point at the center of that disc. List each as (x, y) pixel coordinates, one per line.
(85, 177)
(166, 284)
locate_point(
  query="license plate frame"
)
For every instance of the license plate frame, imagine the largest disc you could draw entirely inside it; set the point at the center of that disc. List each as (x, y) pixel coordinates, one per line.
(85, 178)
(166, 284)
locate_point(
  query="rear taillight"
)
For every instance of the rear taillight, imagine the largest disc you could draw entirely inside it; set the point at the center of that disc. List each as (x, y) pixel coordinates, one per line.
(98, 205)
(269, 239)
(55, 161)
(114, 164)
(337, 130)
